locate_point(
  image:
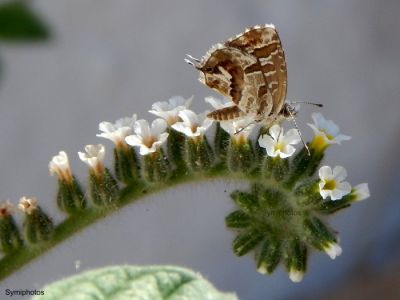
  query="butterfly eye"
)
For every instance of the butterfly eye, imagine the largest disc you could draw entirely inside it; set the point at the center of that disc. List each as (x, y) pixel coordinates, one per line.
(208, 70)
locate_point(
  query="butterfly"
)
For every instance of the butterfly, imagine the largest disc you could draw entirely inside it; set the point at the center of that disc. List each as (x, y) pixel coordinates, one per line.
(250, 69)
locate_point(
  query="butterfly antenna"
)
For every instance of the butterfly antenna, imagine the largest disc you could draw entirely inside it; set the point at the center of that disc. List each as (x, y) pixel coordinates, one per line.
(298, 130)
(189, 62)
(307, 102)
(243, 128)
(193, 58)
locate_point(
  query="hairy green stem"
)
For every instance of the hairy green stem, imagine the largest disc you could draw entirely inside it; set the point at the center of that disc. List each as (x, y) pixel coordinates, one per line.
(75, 223)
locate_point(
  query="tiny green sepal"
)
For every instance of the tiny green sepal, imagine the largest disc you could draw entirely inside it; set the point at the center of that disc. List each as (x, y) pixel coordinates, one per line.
(126, 164)
(70, 197)
(175, 148)
(198, 154)
(156, 167)
(240, 156)
(295, 255)
(318, 234)
(103, 188)
(246, 242)
(275, 166)
(37, 226)
(331, 206)
(221, 142)
(307, 193)
(237, 219)
(10, 238)
(303, 165)
(269, 256)
(247, 202)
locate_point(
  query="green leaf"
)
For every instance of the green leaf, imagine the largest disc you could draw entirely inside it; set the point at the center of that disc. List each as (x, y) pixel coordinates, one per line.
(131, 282)
(18, 22)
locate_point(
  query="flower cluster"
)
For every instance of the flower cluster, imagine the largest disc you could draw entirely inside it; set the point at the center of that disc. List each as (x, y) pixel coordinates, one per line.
(281, 216)
(37, 226)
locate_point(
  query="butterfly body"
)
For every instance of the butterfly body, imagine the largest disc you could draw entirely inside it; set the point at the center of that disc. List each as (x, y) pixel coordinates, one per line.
(250, 69)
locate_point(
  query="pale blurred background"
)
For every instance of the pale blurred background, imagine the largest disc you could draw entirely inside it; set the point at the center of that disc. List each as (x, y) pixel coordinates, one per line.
(109, 59)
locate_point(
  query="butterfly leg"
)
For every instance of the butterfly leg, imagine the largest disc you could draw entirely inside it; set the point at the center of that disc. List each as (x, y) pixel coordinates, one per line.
(226, 113)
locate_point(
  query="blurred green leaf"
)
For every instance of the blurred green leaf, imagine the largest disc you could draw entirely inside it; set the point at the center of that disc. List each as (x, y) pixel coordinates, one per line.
(131, 282)
(19, 23)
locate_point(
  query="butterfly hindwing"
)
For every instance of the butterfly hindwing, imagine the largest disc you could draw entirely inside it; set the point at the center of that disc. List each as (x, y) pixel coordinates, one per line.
(250, 69)
(263, 42)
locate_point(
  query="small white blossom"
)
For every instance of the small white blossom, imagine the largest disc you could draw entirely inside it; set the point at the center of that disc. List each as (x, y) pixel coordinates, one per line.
(116, 132)
(332, 184)
(27, 205)
(6, 208)
(326, 131)
(218, 104)
(239, 129)
(360, 192)
(59, 165)
(169, 110)
(94, 157)
(333, 250)
(279, 144)
(149, 139)
(193, 125)
(296, 275)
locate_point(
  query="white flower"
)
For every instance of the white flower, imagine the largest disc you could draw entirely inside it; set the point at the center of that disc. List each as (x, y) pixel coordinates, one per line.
(149, 139)
(278, 144)
(118, 131)
(169, 110)
(296, 275)
(218, 104)
(360, 192)
(326, 131)
(239, 129)
(93, 157)
(333, 250)
(193, 125)
(59, 165)
(27, 205)
(331, 183)
(6, 208)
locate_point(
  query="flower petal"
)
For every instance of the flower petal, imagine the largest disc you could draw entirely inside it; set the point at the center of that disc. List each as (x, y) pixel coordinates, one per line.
(288, 151)
(188, 117)
(291, 137)
(142, 128)
(339, 173)
(134, 140)
(275, 131)
(361, 191)
(158, 126)
(325, 172)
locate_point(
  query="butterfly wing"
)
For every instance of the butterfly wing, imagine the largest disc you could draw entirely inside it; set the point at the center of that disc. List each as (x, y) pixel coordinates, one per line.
(224, 69)
(263, 43)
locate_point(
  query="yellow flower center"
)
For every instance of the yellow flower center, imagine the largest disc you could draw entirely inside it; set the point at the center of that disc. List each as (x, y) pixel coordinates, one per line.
(329, 137)
(318, 143)
(279, 146)
(148, 141)
(330, 184)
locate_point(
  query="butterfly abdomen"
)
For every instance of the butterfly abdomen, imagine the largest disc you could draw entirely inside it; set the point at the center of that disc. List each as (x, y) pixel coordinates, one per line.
(226, 113)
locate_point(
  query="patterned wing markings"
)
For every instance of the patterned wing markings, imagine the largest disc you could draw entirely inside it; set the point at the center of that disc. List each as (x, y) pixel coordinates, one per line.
(263, 42)
(223, 70)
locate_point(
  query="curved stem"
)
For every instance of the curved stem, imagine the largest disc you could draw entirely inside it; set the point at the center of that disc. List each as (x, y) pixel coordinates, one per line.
(75, 223)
